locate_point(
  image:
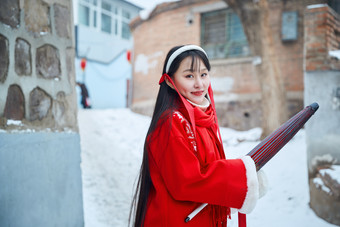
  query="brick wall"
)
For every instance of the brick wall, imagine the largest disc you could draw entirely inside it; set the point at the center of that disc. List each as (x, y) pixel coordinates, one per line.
(322, 29)
(236, 88)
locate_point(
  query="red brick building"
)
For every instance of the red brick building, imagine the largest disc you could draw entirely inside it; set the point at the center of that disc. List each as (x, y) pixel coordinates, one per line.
(215, 27)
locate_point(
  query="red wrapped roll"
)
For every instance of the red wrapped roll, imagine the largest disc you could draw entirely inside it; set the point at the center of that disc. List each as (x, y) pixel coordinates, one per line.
(269, 147)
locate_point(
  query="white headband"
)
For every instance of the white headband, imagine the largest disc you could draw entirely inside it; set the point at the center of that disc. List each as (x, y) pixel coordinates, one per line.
(179, 51)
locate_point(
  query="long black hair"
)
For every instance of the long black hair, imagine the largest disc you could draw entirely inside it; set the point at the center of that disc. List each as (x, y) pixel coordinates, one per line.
(166, 103)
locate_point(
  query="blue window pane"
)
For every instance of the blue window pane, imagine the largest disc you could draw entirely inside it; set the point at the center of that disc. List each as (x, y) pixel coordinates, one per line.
(83, 15)
(125, 30)
(106, 23)
(235, 28)
(126, 14)
(106, 6)
(222, 34)
(94, 19)
(334, 4)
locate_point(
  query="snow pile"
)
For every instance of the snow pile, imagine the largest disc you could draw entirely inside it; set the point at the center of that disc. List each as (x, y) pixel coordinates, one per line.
(334, 53)
(14, 122)
(112, 146)
(320, 184)
(333, 172)
(112, 143)
(331, 176)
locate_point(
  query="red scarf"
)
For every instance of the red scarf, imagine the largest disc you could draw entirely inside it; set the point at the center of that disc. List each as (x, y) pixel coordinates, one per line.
(207, 120)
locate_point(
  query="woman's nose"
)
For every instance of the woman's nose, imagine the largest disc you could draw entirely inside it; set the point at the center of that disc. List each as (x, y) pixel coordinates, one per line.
(198, 81)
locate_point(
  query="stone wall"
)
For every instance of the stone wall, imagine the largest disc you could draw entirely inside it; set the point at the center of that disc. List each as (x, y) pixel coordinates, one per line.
(37, 84)
(40, 173)
(322, 85)
(236, 87)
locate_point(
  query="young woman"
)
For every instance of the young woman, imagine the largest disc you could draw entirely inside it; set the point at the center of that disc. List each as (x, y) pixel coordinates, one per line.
(184, 163)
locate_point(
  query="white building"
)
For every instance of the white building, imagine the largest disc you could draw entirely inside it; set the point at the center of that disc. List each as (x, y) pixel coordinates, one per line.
(102, 37)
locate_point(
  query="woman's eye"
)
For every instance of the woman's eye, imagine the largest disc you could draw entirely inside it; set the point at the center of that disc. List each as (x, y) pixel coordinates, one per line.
(189, 76)
(204, 74)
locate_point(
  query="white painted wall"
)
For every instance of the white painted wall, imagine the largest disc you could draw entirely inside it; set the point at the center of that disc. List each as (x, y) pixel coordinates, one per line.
(107, 69)
(106, 83)
(323, 130)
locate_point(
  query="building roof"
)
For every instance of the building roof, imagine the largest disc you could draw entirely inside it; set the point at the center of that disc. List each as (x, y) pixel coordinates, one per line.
(160, 8)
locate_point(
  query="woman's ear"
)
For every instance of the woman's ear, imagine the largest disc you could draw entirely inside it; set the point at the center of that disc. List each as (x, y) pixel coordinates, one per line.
(169, 83)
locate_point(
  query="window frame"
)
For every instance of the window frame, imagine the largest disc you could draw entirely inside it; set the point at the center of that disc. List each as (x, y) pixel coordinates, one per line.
(228, 47)
(92, 14)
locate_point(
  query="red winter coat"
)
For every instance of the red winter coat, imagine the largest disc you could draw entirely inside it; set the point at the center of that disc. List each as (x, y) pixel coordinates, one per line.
(188, 167)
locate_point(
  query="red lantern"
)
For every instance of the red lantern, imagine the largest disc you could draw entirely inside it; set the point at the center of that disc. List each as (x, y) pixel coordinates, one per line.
(128, 55)
(83, 64)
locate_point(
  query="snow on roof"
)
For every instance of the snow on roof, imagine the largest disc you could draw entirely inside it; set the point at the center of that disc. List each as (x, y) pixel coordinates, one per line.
(144, 14)
(316, 6)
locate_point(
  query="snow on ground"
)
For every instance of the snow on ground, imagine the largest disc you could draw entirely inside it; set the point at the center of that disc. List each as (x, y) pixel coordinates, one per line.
(112, 145)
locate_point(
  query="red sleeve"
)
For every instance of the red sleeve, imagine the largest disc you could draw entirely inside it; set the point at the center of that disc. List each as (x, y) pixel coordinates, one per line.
(221, 182)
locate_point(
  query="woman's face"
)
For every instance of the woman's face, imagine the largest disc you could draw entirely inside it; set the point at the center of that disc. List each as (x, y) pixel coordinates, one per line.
(192, 80)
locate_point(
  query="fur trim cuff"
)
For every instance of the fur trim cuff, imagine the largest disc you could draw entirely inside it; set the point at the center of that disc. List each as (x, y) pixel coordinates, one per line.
(252, 185)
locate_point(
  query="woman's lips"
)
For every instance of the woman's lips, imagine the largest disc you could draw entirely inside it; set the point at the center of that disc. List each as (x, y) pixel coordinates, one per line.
(197, 93)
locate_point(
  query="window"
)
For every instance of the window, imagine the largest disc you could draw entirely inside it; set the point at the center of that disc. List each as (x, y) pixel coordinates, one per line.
(125, 31)
(109, 18)
(106, 6)
(87, 14)
(84, 15)
(104, 16)
(106, 23)
(125, 24)
(222, 35)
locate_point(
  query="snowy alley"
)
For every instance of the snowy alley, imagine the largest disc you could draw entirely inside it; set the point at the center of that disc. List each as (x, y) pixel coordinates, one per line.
(112, 145)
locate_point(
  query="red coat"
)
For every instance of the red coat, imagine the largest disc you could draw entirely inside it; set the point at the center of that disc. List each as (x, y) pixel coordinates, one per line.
(188, 168)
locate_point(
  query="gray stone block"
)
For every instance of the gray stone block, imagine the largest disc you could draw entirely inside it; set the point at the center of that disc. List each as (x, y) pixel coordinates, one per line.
(10, 13)
(62, 21)
(15, 103)
(48, 62)
(23, 62)
(40, 104)
(37, 17)
(4, 59)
